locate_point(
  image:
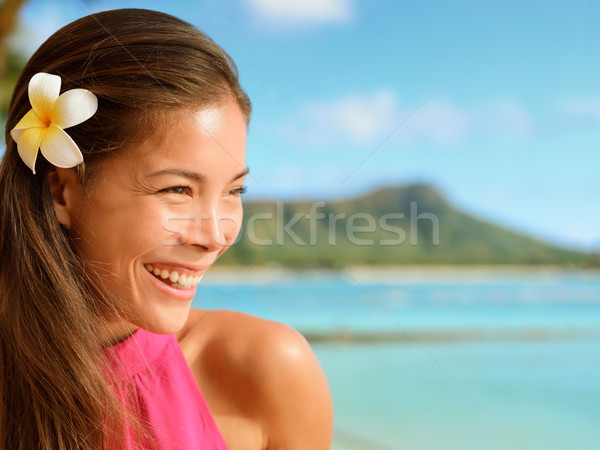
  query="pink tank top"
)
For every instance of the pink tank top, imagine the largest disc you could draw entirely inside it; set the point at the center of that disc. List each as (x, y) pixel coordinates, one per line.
(163, 392)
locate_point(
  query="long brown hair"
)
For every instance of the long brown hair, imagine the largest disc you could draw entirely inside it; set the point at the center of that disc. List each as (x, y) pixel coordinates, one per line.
(141, 65)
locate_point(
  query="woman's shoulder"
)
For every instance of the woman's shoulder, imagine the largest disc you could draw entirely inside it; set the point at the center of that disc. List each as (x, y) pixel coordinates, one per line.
(249, 346)
(263, 370)
(240, 336)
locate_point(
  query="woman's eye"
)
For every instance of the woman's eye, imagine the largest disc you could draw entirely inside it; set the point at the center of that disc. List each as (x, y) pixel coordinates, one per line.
(181, 190)
(238, 191)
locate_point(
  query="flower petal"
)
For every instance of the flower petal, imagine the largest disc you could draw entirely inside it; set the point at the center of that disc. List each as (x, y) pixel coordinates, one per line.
(43, 92)
(28, 145)
(73, 107)
(29, 120)
(59, 149)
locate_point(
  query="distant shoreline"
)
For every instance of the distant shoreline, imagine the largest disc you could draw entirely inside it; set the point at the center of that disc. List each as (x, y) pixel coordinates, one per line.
(448, 336)
(397, 274)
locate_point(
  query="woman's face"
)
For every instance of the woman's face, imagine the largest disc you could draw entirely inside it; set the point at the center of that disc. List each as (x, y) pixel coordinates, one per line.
(156, 217)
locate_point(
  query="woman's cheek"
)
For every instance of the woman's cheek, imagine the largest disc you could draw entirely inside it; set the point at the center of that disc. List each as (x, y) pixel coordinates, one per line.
(176, 225)
(232, 224)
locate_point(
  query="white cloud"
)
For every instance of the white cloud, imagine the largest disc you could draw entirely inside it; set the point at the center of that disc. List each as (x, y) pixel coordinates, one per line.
(352, 119)
(362, 118)
(505, 118)
(582, 110)
(347, 121)
(304, 12)
(441, 123)
(367, 120)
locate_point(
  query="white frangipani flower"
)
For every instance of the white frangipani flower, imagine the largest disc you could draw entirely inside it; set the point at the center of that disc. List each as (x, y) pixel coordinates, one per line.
(43, 126)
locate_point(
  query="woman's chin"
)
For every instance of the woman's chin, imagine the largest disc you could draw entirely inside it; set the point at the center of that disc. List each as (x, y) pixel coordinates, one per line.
(167, 322)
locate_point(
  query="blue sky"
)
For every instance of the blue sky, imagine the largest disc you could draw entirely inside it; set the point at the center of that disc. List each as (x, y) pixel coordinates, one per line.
(496, 103)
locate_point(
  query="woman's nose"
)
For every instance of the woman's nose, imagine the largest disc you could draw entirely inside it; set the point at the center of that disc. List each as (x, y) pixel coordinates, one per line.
(206, 229)
(214, 227)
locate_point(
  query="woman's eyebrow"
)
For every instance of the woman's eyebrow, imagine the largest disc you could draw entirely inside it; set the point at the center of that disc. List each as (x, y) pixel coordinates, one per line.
(243, 173)
(182, 173)
(193, 175)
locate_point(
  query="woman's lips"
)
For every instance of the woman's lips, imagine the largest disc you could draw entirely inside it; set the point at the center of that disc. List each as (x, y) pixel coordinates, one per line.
(176, 281)
(176, 276)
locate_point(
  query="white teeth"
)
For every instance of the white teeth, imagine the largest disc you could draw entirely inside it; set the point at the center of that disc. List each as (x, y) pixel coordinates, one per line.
(178, 281)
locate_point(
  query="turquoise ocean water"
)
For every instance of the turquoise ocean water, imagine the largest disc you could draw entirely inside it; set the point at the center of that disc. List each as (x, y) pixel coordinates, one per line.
(442, 359)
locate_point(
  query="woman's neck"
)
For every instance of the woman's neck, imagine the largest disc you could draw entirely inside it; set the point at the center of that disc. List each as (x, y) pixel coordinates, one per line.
(117, 332)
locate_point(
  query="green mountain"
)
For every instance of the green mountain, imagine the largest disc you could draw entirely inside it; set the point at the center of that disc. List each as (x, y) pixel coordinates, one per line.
(412, 224)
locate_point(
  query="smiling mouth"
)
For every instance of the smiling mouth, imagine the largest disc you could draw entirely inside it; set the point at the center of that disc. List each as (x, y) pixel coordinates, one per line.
(174, 278)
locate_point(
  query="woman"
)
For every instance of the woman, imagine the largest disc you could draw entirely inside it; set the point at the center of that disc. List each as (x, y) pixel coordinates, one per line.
(104, 238)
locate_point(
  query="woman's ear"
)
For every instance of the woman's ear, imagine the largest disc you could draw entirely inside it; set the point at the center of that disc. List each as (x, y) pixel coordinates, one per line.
(66, 192)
